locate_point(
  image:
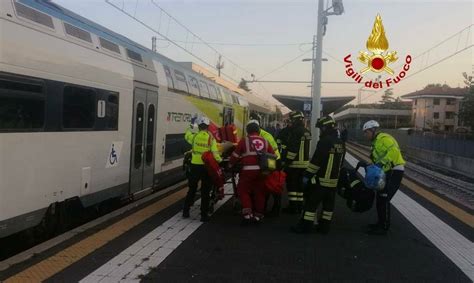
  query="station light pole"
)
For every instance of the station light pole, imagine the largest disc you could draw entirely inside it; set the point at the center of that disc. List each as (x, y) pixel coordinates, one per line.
(338, 9)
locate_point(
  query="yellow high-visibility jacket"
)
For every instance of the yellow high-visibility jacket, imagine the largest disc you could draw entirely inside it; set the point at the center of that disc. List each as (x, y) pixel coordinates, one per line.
(201, 142)
(269, 138)
(386, 152)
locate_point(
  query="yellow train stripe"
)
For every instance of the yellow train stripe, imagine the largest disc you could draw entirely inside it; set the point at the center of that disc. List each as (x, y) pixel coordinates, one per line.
(65, 258)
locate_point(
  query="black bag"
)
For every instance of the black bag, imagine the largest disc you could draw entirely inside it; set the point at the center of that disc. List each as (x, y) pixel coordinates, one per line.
(352, 188)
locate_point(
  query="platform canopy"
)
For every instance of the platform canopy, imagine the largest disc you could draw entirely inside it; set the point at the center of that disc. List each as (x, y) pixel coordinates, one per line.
(329, 104)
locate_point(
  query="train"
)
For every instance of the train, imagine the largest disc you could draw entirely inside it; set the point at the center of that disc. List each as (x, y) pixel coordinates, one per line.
(87, 115)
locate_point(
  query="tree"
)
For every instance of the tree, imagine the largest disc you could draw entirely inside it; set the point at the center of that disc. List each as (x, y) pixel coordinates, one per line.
(466, 112)
(387, 96)
(243, 85)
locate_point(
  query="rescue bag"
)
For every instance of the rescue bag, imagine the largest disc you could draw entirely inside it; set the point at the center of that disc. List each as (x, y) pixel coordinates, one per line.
(229, 133)
(214, 130)
(374, 177)
(352, 189)
(214, 171)
(274, 182)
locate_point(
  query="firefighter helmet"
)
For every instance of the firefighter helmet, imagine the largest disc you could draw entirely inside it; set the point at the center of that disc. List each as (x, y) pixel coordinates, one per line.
(296, 115)
(326, 121)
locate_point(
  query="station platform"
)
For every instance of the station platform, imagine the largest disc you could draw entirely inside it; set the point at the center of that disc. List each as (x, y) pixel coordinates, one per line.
(153, 243)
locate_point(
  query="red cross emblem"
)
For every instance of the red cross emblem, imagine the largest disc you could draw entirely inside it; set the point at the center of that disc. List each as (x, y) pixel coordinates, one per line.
(258, 145)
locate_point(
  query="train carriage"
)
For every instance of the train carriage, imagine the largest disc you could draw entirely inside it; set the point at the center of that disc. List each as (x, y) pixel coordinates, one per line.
(87, 115)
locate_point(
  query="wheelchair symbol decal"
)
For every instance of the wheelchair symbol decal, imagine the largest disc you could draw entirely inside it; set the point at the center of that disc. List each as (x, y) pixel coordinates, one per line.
(113, 156)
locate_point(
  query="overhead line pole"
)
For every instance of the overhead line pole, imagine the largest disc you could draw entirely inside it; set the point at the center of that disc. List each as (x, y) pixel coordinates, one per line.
(316, 84)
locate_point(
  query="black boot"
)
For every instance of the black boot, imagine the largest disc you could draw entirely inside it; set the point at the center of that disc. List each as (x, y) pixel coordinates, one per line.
(186, 213)
(303, 227)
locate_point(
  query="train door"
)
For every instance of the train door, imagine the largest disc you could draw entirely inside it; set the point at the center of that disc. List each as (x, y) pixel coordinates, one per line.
(143, 139)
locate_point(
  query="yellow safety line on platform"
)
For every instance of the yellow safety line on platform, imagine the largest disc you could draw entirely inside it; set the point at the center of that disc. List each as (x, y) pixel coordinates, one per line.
(450, 208)
(63, 259)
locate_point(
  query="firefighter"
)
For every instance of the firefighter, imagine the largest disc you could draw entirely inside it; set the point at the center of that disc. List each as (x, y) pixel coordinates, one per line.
(321, 178)
(250, 188)
(282, 137)
(201, 142)
(386, 154)
(275, 210)
(295, 160)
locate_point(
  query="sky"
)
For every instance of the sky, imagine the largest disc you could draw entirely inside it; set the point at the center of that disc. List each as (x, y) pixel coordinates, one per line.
(257, 37)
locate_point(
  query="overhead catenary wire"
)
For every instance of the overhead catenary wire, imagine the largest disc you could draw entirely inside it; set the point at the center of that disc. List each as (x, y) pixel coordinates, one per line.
(198, 37)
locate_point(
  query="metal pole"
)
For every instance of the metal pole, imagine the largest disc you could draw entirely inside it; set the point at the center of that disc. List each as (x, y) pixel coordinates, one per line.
(316, 89)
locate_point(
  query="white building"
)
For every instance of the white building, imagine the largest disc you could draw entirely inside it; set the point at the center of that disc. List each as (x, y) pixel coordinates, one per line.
(436, 108)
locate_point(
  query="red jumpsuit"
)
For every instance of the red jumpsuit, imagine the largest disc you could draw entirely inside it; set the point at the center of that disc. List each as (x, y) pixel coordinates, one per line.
(251, 183)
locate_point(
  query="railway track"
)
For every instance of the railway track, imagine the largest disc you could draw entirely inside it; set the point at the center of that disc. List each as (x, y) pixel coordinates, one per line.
(457, 190)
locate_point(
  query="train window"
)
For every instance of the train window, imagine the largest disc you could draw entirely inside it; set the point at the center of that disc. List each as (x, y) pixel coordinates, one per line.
(150, 133)
(79, 108)
(112, 111)
(181, 83)
(243, 102)
(22, 106)
(228, 116)
(33, 15)
(213, 92)
(109, 45)
(204, 89)
(219, 94)
(169, 78)
(228, 96)
(77, 32)
(137, 161)
(175, 146)
(193, 86)
(134, 55)
(235, 99)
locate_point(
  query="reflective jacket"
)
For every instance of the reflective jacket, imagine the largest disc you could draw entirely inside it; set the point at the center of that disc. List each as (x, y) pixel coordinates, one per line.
(246, 152)
(386, 152)
(282, 140)
(201, 142)
(297, 147)
(269, 138)
(325, 165)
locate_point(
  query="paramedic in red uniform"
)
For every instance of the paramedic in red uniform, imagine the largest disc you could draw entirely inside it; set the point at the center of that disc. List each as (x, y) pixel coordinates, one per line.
(250, 188)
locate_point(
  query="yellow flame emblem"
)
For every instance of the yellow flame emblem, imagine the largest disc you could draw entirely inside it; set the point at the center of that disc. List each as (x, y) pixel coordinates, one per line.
(377, 44)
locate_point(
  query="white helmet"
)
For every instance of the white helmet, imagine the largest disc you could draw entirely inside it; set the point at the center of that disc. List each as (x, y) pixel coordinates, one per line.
(253, 122)
(370, 124)
(203, 120)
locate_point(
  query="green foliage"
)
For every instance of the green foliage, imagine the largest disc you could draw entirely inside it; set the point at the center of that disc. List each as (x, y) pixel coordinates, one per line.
(387, 96)
(466, 113)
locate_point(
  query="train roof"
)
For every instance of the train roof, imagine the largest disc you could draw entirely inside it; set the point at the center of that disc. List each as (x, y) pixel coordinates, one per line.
(55, 10)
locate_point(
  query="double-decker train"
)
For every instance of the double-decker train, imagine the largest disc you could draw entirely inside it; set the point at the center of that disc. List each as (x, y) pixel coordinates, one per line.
(87, 115)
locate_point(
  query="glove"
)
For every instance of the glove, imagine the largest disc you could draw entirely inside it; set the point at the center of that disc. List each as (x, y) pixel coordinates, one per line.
(305, 181)
(193, 119)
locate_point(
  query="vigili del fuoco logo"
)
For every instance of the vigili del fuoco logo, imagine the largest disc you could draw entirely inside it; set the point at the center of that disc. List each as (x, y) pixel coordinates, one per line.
(378, 60)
